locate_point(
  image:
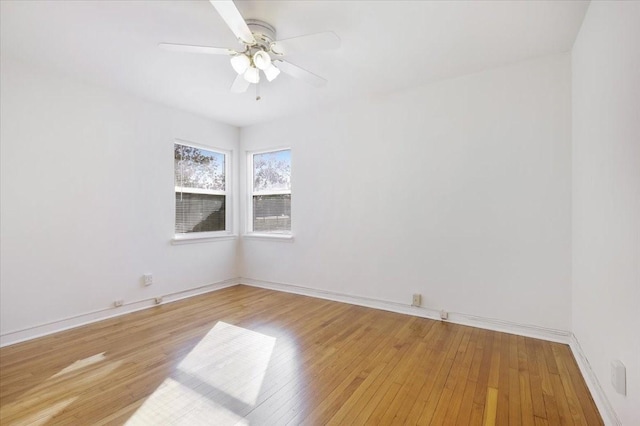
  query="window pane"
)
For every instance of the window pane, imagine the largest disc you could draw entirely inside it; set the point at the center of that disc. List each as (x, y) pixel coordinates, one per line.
(272, 213)
(198, 168)
(272, 171)
(199, 212)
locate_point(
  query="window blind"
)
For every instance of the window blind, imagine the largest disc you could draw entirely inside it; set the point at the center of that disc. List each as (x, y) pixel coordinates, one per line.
(199, 212)
(272, 213)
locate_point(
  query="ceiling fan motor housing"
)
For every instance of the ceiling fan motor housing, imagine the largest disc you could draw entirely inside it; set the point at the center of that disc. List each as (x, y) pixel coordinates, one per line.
(264, 33)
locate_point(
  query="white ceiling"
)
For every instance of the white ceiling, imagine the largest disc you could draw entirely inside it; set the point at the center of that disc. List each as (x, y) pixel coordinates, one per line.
(386, 46)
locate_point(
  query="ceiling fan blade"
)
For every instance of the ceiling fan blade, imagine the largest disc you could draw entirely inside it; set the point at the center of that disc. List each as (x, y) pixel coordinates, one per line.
(231, 16)
(240, 85)
(195, 49)
(302, 74)
(306, 43)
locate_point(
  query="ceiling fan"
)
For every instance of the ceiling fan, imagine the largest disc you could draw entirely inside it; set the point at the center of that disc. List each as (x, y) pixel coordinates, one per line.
(261, 51)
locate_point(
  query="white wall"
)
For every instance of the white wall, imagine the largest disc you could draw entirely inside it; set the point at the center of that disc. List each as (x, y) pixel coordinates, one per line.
(606, 196)
(87, 199)
(459, 190)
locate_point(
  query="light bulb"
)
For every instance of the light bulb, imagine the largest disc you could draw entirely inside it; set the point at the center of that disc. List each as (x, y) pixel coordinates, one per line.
(252, 75)
(240, 63)
(261, 60)
(271, 72)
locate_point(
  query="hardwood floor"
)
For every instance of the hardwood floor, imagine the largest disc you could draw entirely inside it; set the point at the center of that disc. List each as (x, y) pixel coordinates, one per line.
(252, 356)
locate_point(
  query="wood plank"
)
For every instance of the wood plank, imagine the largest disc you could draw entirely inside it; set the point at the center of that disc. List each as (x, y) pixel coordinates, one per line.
(464, 414)
(491, 407)
(537, 399)
(515, 411)
(430, 393)
(412, 384)
(526, 402)
(502, 410)
(480, 394)
(459, 385)
(448, 406)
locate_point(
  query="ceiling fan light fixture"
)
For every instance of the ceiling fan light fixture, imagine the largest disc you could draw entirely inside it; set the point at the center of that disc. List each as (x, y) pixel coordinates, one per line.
(240, 63)
(261, 60)
(252, 75)
(271, 72)
(259, 44)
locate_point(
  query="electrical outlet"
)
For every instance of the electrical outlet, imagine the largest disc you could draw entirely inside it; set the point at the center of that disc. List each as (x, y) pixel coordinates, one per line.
(619, 377)
(147, 279)
(158, 300)
(444, 315)
(118, 303)
(417, 300)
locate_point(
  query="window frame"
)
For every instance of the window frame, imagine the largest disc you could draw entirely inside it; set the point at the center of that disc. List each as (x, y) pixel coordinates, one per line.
(227, 233)
(250, 233)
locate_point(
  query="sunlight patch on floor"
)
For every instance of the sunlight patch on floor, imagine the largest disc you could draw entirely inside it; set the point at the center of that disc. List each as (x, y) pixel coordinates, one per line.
(176, 404)
(218, 382)
(46, 393)
(81, 363)
(43, 416)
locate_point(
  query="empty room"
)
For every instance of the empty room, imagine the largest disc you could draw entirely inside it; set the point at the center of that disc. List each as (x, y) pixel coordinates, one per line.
(320, 212)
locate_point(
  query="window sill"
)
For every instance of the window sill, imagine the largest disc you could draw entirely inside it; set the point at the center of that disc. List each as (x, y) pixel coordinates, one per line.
(288, 238)
(191, 238)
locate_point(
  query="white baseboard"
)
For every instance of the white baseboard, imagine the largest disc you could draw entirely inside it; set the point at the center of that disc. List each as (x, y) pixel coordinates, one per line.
(17, 336)
(607, 412)
(527, 330)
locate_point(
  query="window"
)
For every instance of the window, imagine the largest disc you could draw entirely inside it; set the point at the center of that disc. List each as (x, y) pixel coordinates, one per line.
(270, 195)
(201, 190)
